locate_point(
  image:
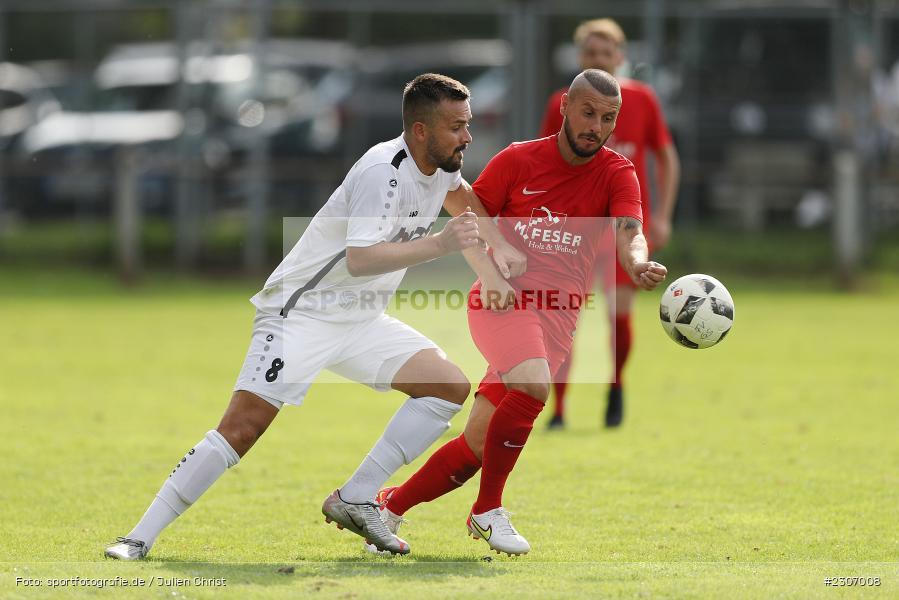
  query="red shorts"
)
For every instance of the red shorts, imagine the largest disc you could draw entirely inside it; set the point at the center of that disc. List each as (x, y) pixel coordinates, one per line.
(621, 276)
(509, 338)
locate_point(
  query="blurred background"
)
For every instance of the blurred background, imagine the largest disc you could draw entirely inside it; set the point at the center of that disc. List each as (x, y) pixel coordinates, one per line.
(142, 135)
(150, 151)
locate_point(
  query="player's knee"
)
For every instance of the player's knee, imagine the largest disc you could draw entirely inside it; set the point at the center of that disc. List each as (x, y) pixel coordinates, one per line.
(457, 391)
(451, 391)
(241, 435)
(454, 385)
(451, 386)
(535, 389)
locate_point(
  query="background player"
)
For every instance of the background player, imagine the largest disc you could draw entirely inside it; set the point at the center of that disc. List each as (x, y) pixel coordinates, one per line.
(641, 127)
(356, 249)
(572, 177)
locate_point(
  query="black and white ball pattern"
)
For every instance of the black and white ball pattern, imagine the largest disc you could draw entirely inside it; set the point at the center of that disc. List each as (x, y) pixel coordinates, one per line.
(697, 311)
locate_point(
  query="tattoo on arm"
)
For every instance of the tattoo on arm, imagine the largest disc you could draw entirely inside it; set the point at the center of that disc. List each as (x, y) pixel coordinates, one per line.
(627, 223)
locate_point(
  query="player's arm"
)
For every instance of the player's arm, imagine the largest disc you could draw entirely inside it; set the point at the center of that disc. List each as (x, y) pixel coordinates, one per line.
(511, 262)
(496, 293)
(633, 253)
(668, 162)
(460, 232)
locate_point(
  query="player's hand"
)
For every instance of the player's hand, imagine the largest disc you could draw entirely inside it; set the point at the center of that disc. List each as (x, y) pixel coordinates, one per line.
(659, 233)
(497, 295)
(647, 275)
(460, 232)
(509, 261)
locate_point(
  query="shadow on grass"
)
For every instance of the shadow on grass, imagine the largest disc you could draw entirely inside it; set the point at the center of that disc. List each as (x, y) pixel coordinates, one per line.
(319, 574)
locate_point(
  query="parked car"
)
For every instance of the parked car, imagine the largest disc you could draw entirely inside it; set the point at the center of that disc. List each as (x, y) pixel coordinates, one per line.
(482, 65)
(24, 100)
(72, 154)
(229, 100)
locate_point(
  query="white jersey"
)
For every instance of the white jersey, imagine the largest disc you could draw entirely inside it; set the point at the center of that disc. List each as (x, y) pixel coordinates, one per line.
(384, 198)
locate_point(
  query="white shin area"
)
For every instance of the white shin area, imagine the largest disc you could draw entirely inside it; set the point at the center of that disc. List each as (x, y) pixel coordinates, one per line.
(417, 424)
(192, 476)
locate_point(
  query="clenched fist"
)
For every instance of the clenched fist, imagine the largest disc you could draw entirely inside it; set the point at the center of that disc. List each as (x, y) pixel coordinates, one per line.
(647, 275)
(460, 232)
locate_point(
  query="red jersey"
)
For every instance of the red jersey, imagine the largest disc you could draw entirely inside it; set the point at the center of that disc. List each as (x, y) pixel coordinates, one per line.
(548, 210)
(640, 125)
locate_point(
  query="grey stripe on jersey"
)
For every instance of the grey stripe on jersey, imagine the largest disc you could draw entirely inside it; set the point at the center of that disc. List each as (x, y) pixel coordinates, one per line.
(295, 297)
(401, 236)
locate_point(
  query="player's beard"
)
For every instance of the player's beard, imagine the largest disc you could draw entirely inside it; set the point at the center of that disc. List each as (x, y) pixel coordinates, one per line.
(451, 163)
(572, 142)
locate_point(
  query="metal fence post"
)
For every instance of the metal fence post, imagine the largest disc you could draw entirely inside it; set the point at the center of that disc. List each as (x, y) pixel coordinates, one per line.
(847, 215)
(523, 32)
(359, 35)
(851, 36)
(257, 185)
(688, 143)
(126, 215)
(3, 153)
(186, 234)
(654, 34)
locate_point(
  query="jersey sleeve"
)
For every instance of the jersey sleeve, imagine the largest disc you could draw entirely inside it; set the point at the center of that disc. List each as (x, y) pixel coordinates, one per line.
(657, 133)
(492, 185)
(552, 118)
(624, 193)
(371, 211)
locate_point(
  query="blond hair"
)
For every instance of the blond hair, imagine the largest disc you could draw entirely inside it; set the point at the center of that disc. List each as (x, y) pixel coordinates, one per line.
(605, 28)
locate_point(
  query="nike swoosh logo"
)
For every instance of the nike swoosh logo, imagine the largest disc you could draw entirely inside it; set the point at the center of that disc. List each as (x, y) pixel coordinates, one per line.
(484, 533)
(352, 520)
(508, 445)
(528, 192)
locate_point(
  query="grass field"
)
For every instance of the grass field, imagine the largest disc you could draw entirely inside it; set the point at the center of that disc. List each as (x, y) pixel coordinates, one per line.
(751, 470)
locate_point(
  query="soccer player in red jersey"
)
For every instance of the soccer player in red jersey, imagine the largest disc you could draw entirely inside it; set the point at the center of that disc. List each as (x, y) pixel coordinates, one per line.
(548, 194)
(640, 128)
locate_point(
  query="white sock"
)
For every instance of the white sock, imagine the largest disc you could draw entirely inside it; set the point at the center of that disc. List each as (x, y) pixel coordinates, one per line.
(415, 426)
(198, 470)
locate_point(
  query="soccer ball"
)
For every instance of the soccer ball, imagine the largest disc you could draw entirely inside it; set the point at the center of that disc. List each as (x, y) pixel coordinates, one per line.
(697, 311)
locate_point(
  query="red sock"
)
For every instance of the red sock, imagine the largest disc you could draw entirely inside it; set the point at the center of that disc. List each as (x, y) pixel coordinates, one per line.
(622, 345)
(560, 384)
(506, 436)
(452, 465)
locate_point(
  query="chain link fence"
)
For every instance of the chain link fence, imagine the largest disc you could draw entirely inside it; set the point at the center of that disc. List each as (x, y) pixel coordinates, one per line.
(207, 122)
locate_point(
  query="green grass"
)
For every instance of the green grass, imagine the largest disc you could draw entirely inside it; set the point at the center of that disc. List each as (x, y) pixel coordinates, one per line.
(91, 241)
(754, 469)
(777, 252)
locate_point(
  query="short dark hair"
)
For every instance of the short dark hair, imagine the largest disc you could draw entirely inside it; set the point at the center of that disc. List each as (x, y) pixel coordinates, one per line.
(602, 82)
(423, 94)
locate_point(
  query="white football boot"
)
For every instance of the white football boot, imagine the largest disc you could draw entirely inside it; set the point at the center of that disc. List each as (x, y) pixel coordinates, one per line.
(127, 549)
(363, 519)
(495, 527)
(391, 520)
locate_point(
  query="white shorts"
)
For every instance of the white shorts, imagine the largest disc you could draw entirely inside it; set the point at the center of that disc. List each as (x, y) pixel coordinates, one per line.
(287, 354)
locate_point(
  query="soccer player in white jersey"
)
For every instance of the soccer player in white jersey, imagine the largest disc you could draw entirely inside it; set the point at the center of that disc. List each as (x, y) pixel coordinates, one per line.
(323, 308)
